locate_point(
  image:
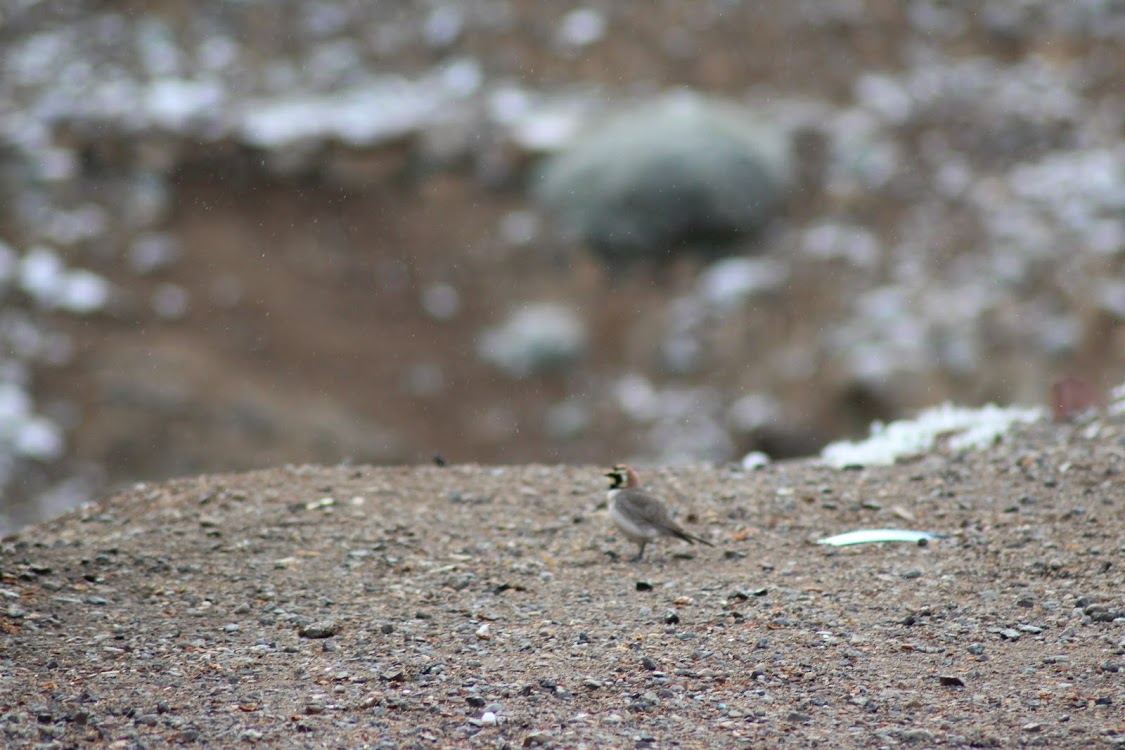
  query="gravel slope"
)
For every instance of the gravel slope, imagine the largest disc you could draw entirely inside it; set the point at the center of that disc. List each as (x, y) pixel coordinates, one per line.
(354, 606)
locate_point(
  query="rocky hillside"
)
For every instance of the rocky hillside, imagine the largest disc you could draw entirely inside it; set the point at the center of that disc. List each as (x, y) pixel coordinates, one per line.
(258, 233)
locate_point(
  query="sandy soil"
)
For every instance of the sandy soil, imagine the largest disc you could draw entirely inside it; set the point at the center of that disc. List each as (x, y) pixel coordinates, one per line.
(414, 607)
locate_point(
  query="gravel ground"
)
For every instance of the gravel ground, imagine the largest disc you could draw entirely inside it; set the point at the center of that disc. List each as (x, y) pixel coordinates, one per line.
(473, 606)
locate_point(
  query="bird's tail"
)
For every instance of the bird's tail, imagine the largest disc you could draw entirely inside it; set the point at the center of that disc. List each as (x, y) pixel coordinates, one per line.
(692, 539)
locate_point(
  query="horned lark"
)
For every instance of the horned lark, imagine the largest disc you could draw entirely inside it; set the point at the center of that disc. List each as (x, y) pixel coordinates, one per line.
(639, 515)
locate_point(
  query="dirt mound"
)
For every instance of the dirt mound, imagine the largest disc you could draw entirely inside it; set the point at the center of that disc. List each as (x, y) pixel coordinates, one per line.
(473, 606)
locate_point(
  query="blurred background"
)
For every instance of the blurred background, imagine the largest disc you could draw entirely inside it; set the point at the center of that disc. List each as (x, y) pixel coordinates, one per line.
(247, 233)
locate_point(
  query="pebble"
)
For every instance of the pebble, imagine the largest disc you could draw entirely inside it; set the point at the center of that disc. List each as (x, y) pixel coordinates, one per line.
(319, 629)
(917, 735)
(537, 738)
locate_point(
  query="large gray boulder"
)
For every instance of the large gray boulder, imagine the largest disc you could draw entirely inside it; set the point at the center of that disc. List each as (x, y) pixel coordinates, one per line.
(682, 173)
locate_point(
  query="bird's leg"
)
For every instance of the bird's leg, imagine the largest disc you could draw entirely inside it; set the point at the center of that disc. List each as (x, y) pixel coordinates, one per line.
(640, 552)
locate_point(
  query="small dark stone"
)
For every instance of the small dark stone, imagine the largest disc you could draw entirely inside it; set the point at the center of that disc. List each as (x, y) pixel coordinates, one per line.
(951, 681)
(387, 629)
(648, 663)
(394, 674)
(671, 617)
(475, 701)
(644, 586)
(439, 460)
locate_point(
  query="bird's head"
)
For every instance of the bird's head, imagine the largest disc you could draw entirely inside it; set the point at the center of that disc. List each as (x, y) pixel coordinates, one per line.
(621, 476)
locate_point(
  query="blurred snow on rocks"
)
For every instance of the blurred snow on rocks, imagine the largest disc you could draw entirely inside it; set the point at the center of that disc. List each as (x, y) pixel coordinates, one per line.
(972, 206)
(171, 301)
(581, 27)
(963, 428)
(754, 411)
(569, 419)
(44, 277)
(681, 424)
(152, 252)
(535, 339)
(732, 281)
(829, 240)
(441, 301)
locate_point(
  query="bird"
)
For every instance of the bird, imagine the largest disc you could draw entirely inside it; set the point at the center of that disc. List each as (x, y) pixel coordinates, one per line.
(639, 515)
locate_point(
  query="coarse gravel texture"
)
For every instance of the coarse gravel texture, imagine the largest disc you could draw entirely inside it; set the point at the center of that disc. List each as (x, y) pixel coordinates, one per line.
(474, 606)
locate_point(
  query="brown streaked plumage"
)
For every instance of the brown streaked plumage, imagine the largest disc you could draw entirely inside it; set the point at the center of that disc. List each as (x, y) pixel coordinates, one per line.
(639, 515)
